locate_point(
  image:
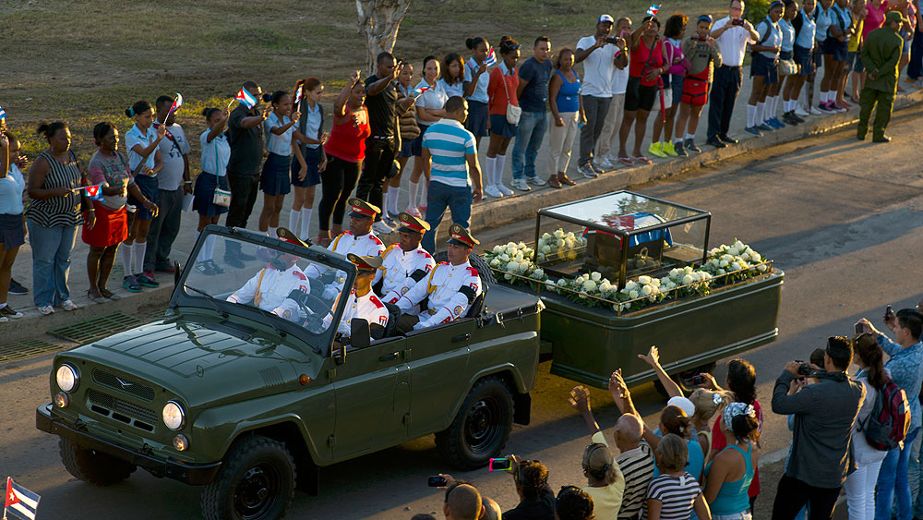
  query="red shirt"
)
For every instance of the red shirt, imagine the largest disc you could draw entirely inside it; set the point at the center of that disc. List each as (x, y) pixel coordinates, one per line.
(643, 59)
(718, 443)
(347, 138)
(496, 94)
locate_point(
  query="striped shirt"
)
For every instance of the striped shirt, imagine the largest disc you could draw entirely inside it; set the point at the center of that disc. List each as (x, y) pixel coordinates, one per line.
(637, 466)
(676, 496)
(448, 142)
(58, 211)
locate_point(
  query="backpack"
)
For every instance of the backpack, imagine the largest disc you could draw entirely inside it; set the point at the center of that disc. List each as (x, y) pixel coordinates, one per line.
(887, 424)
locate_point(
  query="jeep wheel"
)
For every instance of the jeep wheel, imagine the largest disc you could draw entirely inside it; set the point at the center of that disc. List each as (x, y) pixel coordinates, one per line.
(256, 482)
(92, 466)
(481, 428)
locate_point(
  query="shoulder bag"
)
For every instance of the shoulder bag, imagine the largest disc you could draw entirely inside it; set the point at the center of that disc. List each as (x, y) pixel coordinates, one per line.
(513, 113)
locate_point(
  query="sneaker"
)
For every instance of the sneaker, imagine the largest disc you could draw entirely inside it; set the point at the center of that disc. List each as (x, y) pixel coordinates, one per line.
(382, 228)
(505, 190)
(656, 149)
(587, 171)
(413, 211)
(816, 112)
(17, 288)
(797, 118)
(604, 165)
(800, 112)
(536, 181)
(774, 122)
(130, 283)
(753, 130)
(764, 127)
(716, 142)
(146, 280)
(96, 298)
(492, 191)
(69, 305)
(670, 149)
(46, 310)
(824, 108)
(789, 118)
(3, 319)
(521, 185)
(9, 312)
(389, 221)
(728, 139)
(678, 149)
(689, 145)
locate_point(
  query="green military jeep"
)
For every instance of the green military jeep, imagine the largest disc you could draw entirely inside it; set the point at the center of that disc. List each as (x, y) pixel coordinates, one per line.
(234, 397)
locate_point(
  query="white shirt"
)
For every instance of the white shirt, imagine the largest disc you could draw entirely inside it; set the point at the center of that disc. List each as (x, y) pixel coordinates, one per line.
(773, 39)
(269, 290)
(368, 308)
(366, 245)
(432, 99)
(172, 152)
(619, 81)
(215, 154)
(398, 266)
(599, 69)
(732, 43)
(279, 144)
(448, 288)
(134, 137)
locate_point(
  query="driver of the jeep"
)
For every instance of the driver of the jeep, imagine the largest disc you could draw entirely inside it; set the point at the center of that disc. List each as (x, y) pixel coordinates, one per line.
(270, 288)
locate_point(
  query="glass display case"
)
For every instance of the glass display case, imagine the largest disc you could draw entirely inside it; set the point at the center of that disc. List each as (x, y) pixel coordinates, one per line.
(621, 235)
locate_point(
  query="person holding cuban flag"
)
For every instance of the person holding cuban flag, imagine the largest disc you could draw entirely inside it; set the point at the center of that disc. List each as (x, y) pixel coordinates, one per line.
(12, 232)
(476, 79)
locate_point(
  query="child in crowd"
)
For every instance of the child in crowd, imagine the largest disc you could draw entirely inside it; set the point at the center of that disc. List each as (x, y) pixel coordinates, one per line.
(702, 57)
(275, 180)
(311, 126)
(212, 195)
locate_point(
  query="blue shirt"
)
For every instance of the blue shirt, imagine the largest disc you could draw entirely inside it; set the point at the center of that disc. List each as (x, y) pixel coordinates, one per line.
(823, 20)
(216, 154)
(774, 39)
(448, 142)
(696, 462)
(788, 35)
(906, 368)
(458, 89)
(11, 188)
(313, 125)
(805, 37)
(278, 144)
(568, 98)
(841, 18)
(534, 97)
(133, 137)
(480, 90)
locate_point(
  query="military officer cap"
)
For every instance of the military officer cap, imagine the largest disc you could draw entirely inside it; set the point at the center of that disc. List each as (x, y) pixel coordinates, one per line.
(460, 236)
(365, 263)
(412, 224)
(286, 235)
(362, 209)
(896, 16)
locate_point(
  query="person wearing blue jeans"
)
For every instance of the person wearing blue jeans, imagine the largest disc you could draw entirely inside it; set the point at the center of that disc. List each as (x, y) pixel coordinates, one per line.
(441, 197)
(51, 260)
(534, 75)
(893, 483)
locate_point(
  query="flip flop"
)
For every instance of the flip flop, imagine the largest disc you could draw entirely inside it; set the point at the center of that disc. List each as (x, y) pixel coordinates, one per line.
(627, 161)
(642, 160)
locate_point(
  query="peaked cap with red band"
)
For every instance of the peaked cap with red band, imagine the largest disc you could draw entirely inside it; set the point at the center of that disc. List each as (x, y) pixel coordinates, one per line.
(361, 208)
(412, 224)
(460, 236)
(365, 263)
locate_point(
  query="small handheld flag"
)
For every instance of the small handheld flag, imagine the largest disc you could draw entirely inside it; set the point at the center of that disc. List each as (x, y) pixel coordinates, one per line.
(420, 91)
(246, 98)
(491, 59)
(653, 10)
(2, 114)
(20, 501)
(177, 102)
(93, 191)
(296, 99)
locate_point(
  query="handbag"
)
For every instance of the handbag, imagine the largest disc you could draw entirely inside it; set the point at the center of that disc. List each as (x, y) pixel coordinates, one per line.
(220, 197)
(513, 113)
(788, 67)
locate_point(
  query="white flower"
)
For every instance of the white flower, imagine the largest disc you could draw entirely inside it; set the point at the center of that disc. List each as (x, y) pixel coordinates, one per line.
(721, 272)
(549, 284)
(545, 249)
(647, 290)
(512, 267)
(644, 280)
(559, 233)
(538, 274)
(562, 282)
(734, 266)
(589, 285)
(572, 255)
(504, 257)
(723, 263)
(495, 263)
(595, 276)
(755, 257)
(631, 285)
(687, 279)
(762, 268)
(497, 249)
(508, 276)
(632, 294)
(524, 266)
(605, 286)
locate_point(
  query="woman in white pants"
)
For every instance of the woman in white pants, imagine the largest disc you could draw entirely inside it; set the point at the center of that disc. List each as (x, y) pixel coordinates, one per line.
(860, 485)
(566, 111)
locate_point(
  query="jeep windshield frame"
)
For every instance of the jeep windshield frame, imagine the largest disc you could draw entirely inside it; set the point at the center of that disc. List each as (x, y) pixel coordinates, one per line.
(317, 341)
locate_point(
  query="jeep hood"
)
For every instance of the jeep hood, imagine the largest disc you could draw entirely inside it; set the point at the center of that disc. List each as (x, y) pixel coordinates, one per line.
(202, 362)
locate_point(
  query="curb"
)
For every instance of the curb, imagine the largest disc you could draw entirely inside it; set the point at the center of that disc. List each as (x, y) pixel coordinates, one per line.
(498, 212)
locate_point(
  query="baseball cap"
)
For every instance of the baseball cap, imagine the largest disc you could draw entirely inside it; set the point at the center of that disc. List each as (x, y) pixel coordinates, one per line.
(605, 18)
(683, 403)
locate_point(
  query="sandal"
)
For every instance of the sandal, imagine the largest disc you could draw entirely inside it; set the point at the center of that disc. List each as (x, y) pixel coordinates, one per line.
(96, 297)
(565, 180)
(109, 294)
(554, 182)
(627, 161)
(642, 160)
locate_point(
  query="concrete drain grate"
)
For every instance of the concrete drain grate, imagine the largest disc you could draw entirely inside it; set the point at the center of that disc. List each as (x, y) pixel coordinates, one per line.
(96, 328)
(27, 348)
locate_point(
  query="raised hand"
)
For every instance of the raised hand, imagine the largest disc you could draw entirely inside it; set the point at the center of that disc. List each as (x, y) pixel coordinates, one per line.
(580, 399)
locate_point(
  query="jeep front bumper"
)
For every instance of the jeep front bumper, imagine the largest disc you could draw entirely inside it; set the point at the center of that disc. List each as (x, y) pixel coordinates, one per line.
(193, 474)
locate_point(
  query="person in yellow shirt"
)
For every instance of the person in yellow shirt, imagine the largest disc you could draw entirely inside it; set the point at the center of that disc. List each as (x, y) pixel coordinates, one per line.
(853, 61)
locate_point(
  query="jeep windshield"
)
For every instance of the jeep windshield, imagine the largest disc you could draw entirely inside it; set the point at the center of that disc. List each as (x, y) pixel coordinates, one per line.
(242, 274)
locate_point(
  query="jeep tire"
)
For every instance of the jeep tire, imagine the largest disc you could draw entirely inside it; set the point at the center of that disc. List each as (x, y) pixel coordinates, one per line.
(481, 427)
(93, 466)
(256, 482)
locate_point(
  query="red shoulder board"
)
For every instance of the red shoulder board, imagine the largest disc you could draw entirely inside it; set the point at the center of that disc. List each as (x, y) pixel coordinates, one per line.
(473, 271)
(425, 253)
(299, 275)
(347, 232)
(376, 239)
(443, 263)
(374, 299)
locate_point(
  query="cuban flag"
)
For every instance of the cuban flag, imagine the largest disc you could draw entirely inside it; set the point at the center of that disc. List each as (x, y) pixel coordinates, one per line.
(94, 191)
(20, 502)
(491, 59)
(177, 102)
(653, 10)
(2, 114)
(420, 91)
(246, 98)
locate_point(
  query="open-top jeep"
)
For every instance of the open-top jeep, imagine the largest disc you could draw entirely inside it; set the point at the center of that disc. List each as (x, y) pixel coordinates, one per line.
(247, 403)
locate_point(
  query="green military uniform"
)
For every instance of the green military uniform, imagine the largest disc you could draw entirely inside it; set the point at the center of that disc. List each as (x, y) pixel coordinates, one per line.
(881, 52)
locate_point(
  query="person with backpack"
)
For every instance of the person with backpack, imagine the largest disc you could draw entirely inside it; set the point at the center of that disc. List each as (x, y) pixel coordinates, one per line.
(764, 71)
(825, 414)
(860, 485)
(906, 358)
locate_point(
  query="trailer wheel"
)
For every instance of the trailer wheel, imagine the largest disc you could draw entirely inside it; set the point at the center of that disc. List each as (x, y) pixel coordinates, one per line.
(481, 428)
(256, 482)
(92, 466)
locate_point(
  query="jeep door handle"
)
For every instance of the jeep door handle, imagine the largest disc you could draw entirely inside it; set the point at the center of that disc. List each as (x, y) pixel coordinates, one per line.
(389, 357)
(461, 337)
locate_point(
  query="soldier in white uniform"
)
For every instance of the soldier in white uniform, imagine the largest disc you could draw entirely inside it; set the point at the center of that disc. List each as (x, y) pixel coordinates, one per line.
(451, 287)
(359, 239)
(362, 302)
(269, 289)
(404, 263)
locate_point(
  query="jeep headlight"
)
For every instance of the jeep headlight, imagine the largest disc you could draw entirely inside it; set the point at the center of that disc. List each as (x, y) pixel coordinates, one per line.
(173, 416)
(66, 377)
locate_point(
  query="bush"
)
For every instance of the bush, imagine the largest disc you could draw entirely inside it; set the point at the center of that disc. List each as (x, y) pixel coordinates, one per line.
(756, 10)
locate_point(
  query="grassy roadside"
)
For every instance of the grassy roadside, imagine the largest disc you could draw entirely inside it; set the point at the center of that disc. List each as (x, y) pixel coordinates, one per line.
(86, 60)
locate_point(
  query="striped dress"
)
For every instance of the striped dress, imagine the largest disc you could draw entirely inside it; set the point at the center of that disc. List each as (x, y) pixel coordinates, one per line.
(676, 496)
(58, 211)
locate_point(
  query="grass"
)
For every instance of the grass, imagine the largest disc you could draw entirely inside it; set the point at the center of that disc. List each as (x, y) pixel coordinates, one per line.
(85, 61)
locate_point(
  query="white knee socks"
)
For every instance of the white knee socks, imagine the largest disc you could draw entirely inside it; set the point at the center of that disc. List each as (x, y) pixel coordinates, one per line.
(414, 186)
(391, 200)
(126, 259)
(137, 257)
(489, 176)
(293, 220)
(304, 231)
(498, 171)
(751, 116)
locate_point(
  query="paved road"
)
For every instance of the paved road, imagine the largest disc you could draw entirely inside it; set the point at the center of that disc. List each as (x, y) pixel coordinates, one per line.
(841, 218)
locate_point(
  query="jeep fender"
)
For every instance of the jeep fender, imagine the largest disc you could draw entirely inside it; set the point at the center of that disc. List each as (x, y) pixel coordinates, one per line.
(517, 384)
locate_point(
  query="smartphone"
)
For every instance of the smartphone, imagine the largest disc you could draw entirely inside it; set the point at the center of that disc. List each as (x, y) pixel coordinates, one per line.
(889, 313)
(737, 21)
(698, 379)
(499, 464)
(436, 482)
(860, 328)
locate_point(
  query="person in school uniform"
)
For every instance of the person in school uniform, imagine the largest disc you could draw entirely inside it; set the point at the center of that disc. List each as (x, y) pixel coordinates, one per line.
(216, 152)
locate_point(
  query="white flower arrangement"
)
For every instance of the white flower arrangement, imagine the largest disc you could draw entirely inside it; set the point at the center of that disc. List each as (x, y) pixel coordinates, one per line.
(686, 281)
(734, 262)
(514, 261)
(559, 245)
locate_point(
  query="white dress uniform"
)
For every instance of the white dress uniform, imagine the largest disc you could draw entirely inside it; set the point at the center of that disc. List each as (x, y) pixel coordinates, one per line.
(451, 290)
(365, 245)
(368, 308)
(397, 268)
(269, 290)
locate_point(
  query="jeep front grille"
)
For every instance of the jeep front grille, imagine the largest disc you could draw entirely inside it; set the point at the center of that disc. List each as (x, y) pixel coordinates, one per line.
(122, 411)
(123, 384)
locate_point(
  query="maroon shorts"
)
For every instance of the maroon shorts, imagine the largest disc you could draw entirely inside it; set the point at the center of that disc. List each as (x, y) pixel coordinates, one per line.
(111, 227)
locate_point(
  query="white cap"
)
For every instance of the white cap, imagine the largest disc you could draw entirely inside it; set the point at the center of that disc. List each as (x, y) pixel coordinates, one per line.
(683, 404)
(605, 18)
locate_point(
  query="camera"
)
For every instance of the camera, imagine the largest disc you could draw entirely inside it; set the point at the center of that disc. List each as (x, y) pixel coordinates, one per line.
(889, 313)
(436, 481)
(500, 464)
(612, 39)
(696, 380)
(737, 21)
(804, 369)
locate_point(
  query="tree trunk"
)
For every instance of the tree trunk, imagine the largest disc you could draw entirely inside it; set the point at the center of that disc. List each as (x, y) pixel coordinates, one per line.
(379, 22)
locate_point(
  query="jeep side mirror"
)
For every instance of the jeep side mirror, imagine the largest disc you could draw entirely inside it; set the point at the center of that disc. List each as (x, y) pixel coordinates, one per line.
(359, 334)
